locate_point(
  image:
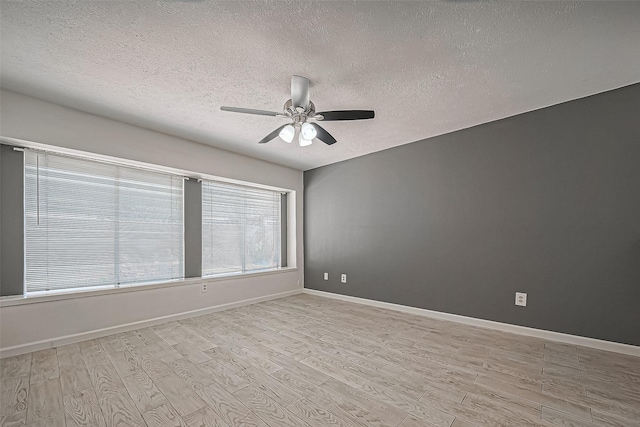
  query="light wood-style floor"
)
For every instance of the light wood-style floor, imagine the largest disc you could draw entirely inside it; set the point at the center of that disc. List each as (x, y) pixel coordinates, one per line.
(313, 361)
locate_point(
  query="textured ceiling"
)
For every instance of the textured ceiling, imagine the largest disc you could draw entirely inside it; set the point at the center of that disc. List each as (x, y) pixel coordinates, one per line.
(426, 68)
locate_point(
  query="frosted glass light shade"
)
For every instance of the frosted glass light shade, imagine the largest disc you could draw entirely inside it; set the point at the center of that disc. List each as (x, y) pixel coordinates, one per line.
(308, 132)
(287, 133)
(304, 142)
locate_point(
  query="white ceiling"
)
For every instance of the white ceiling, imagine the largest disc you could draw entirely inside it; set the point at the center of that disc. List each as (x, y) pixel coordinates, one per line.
(426, 68)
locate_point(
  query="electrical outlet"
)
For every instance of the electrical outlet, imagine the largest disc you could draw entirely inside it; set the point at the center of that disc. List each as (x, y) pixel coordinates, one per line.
(204, 288)
(326, 276)
(521, 299)
(343, 278)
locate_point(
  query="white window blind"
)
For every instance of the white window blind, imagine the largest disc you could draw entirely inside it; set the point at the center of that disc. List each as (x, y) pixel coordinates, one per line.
(93, 224)
(240, 229)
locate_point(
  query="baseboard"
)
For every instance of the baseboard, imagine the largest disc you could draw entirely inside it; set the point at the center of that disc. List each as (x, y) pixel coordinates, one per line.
(98, 333)
(505, 327)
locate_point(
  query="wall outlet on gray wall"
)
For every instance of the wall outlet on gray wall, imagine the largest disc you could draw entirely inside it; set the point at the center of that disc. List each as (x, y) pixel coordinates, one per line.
(343, 278)
(521, 299)
(326, 276)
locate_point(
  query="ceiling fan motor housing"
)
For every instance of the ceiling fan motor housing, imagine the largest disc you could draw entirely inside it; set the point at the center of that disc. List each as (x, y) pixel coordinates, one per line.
(298, 115)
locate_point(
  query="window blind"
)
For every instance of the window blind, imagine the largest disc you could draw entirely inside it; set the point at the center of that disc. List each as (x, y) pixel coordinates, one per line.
(94, 224)
(240, 229)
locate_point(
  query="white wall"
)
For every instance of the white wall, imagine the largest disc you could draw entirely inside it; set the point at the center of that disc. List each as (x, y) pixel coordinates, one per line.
(27, 118)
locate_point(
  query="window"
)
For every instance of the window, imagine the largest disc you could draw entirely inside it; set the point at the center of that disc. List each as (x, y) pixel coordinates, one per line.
(240, 229)
(91, 224)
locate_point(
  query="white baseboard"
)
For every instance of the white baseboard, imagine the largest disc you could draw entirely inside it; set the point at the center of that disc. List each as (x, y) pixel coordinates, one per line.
(506, 327)
(98, 333)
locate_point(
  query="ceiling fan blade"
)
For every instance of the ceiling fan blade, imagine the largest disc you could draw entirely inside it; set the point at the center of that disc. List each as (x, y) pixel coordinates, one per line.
(272, 135)
(300, 92)
(251, 111)
(346, 115)
(323, 135)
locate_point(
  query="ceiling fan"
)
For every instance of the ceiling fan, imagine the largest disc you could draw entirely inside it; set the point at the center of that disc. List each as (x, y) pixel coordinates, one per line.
(302, 112)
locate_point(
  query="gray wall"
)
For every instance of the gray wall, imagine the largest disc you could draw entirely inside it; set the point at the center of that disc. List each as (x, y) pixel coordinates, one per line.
(546, 203)
(192, 228)
(11, 221)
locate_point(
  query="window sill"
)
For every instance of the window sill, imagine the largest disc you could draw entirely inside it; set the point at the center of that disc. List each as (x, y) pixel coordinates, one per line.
(9, 301)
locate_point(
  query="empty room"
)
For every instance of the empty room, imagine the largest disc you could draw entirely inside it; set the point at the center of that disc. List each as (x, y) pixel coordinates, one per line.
(319, 213)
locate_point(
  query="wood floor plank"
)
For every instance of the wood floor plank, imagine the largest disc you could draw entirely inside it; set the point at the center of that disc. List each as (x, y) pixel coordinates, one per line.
(112, 344)
(357, 416)
(305, 388)
(502, 412)
(45, 399)
(197, 377)
(146, 396)
(44, 365)
(179, 394)
(267, 409)
(315, 415)
(151, 364)
(256, 360)
(627, 397)
(132, 340)
(607, 407)
(302, 370)
(613, 420)
(340, 374)
(421, 409)
(69, 355)
(545, 400)
(365, 401)
(120, 410)
(82, 409)
(270, 387)
(557, 417)
(436, 391)
(74, 378)
(13, 395)
(15, 366)
(199, 341)
(225, 357)
(461, 423)
(223, 375)
(412, 421)
(163, 416)
(191, 352)
(93, 354)
(105, 380)
(205, 417)
(56, 420)
(228, 407)
(486, 398)
(15, 419)
(147, 335)
(124, 362)
(160, 350)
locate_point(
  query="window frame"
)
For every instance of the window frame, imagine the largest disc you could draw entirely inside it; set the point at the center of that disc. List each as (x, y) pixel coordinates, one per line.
(118, 238)
(291, 226)
(282, 232)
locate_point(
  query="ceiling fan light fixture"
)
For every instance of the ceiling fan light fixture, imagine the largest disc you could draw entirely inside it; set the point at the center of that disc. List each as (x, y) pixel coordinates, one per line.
(287, 133)
(308, 131)
(299, 109)
(304, 142)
